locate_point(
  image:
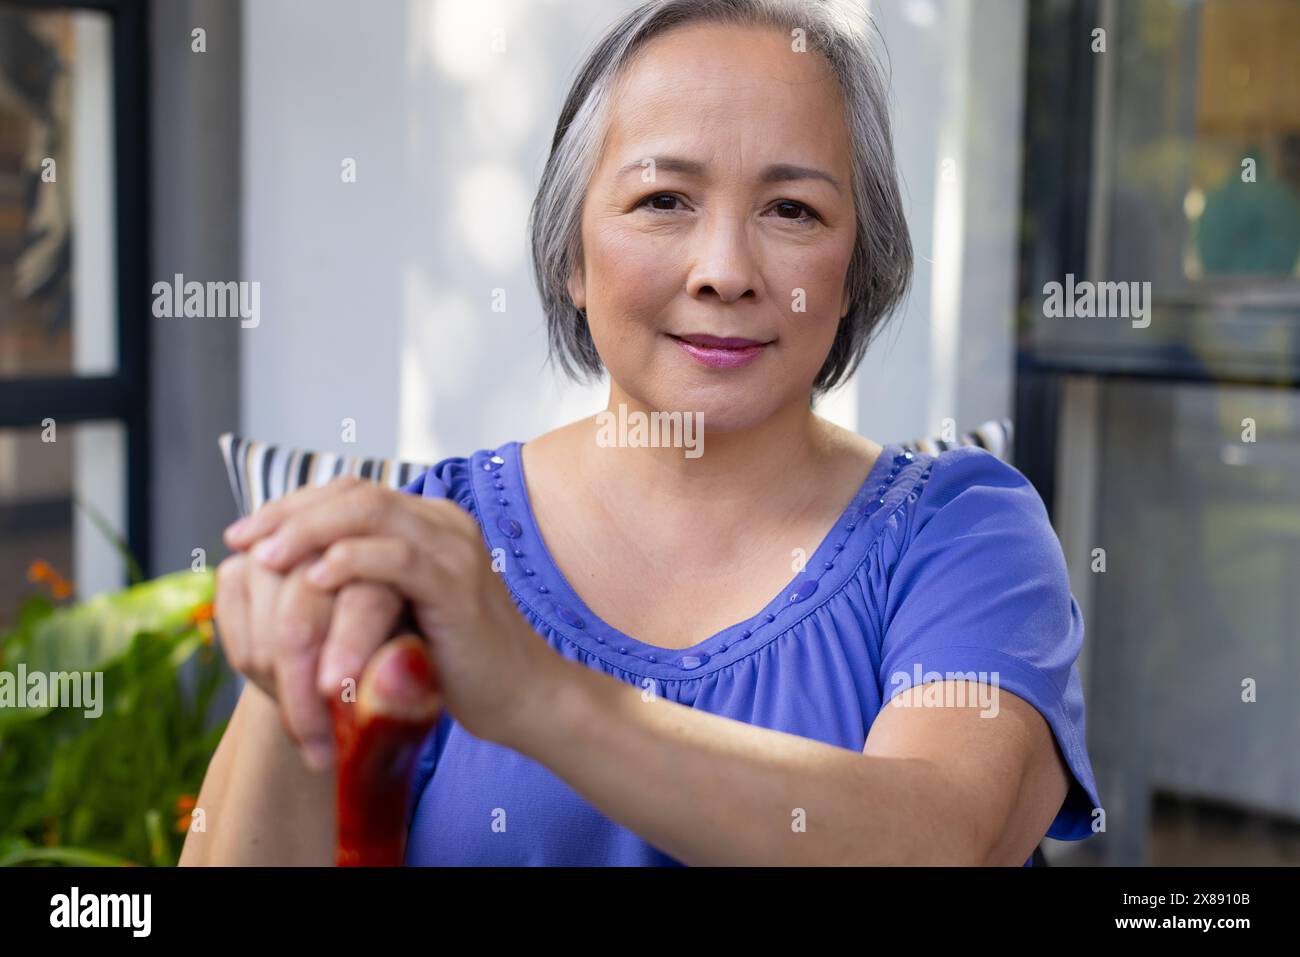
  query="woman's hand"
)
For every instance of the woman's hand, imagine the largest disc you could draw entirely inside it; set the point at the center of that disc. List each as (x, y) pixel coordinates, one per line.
(492, 666)
(273, 627)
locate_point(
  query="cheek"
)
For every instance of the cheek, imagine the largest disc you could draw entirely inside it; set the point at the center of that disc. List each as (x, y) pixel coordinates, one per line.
(807, 286)
(818, 271)
(630, 277)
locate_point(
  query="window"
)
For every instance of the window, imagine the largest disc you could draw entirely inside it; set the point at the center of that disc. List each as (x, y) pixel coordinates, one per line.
(1162, 148)
(73, 296)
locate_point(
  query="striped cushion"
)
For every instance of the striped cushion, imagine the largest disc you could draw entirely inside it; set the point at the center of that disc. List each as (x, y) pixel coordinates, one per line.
(994, 435)
(260, 472)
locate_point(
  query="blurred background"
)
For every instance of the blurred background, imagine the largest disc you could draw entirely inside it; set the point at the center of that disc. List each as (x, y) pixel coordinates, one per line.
(370, 166)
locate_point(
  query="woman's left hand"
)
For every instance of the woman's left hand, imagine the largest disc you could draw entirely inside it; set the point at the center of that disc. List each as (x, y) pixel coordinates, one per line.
(490, 663)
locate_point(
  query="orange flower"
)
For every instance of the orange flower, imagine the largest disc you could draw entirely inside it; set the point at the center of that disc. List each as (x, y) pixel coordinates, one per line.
(42, 571)
(201, 618)
(185, 805)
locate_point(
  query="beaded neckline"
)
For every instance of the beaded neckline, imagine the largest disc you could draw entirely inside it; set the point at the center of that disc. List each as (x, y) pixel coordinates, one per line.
(508, 521)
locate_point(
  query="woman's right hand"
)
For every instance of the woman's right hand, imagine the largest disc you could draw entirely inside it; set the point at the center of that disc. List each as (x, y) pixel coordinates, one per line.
(299, 644)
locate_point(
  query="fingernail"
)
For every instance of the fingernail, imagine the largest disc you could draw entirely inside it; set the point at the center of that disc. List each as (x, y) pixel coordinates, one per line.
(318, 752)
(268, 550)
(239, 527)
(401, 679)
(318, 573)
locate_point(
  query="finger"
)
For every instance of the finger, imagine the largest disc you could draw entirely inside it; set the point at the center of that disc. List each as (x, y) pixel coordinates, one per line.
(365, 614)
(230, 609)
(367, 509)
(263, 588)
(302, 619)
(389, 561)
(243, 533)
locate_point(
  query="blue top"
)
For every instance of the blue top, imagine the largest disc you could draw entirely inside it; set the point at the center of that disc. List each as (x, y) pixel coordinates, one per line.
(942, 564)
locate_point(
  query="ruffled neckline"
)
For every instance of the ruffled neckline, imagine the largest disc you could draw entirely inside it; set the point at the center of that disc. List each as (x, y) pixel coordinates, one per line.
(500, 502)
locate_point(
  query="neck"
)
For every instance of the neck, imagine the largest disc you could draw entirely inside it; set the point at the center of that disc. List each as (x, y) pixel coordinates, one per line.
(728, 470)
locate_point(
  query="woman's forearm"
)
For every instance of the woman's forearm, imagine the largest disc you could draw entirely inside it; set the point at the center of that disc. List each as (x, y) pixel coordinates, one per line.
(708, 790)
(261, 804)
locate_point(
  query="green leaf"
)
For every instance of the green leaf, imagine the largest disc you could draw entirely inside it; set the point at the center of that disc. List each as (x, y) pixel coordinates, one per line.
(71, 856)
(104, 790)
(87, 636)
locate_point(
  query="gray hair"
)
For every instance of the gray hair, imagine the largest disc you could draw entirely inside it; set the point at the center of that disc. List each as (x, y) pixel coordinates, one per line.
(880, 269)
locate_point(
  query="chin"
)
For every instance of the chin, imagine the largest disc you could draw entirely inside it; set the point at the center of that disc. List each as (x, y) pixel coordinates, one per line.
(722, 408)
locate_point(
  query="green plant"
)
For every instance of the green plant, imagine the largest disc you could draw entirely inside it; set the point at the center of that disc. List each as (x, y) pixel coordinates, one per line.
(116, 788)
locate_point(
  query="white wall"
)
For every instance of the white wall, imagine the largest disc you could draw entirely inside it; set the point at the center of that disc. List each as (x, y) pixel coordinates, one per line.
(958, 86)
(323, 81)
(376, 295)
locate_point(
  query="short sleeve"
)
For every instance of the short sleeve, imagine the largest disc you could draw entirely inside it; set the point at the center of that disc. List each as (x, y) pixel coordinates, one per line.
(980, 585)
(427, 484)
(448, 478)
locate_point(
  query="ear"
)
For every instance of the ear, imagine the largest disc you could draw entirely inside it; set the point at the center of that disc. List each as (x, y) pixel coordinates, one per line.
(844, 302)
(577, 286)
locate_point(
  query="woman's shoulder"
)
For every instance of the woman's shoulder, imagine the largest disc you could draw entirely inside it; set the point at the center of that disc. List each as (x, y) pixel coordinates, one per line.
(969, 502)
(970, 554)
(964, 512)
(968, 486)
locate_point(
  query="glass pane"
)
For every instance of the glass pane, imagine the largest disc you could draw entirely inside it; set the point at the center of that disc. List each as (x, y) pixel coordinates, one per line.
(1195, 194)
(1195, 657)
(47, 543)
(57, 268)
(1205, 146)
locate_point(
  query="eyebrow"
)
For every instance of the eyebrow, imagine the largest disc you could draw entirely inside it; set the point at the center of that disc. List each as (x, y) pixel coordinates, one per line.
(775, 173)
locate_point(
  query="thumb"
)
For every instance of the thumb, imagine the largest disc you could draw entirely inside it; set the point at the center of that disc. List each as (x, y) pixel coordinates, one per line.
(399, 682)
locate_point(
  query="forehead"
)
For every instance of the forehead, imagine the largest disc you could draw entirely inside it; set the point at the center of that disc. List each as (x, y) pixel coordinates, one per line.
(715, 84)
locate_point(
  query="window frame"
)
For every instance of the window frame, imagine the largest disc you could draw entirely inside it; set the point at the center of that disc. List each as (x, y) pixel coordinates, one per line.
(1057, 213)
(123, 396)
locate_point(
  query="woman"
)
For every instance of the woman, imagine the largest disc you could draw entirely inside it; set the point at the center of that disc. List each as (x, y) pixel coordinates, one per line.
(718, 227)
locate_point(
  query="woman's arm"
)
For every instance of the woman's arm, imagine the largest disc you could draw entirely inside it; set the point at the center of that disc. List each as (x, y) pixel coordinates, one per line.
(261, 804)
(933, 786)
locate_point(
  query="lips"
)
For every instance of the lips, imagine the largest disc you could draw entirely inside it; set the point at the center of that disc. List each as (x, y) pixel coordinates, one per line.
(720, 352)
(719, 342)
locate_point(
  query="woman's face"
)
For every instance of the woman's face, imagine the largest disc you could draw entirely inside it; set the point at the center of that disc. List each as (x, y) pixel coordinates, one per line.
(721, 206)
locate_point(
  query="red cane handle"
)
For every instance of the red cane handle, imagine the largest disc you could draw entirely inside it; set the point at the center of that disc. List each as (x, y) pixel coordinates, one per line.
(378, 737)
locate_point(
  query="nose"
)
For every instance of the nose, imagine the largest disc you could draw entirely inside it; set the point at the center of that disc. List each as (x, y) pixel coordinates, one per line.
(724, 264)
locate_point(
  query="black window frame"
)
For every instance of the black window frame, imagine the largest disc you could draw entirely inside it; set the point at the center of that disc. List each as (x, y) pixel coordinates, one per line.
(123, 396)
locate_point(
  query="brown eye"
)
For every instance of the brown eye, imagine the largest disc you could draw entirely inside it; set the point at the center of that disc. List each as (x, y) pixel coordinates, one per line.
(793, 211)
(658, 199)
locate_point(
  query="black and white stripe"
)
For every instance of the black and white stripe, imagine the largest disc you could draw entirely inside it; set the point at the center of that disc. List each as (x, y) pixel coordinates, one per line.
(259, 472)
